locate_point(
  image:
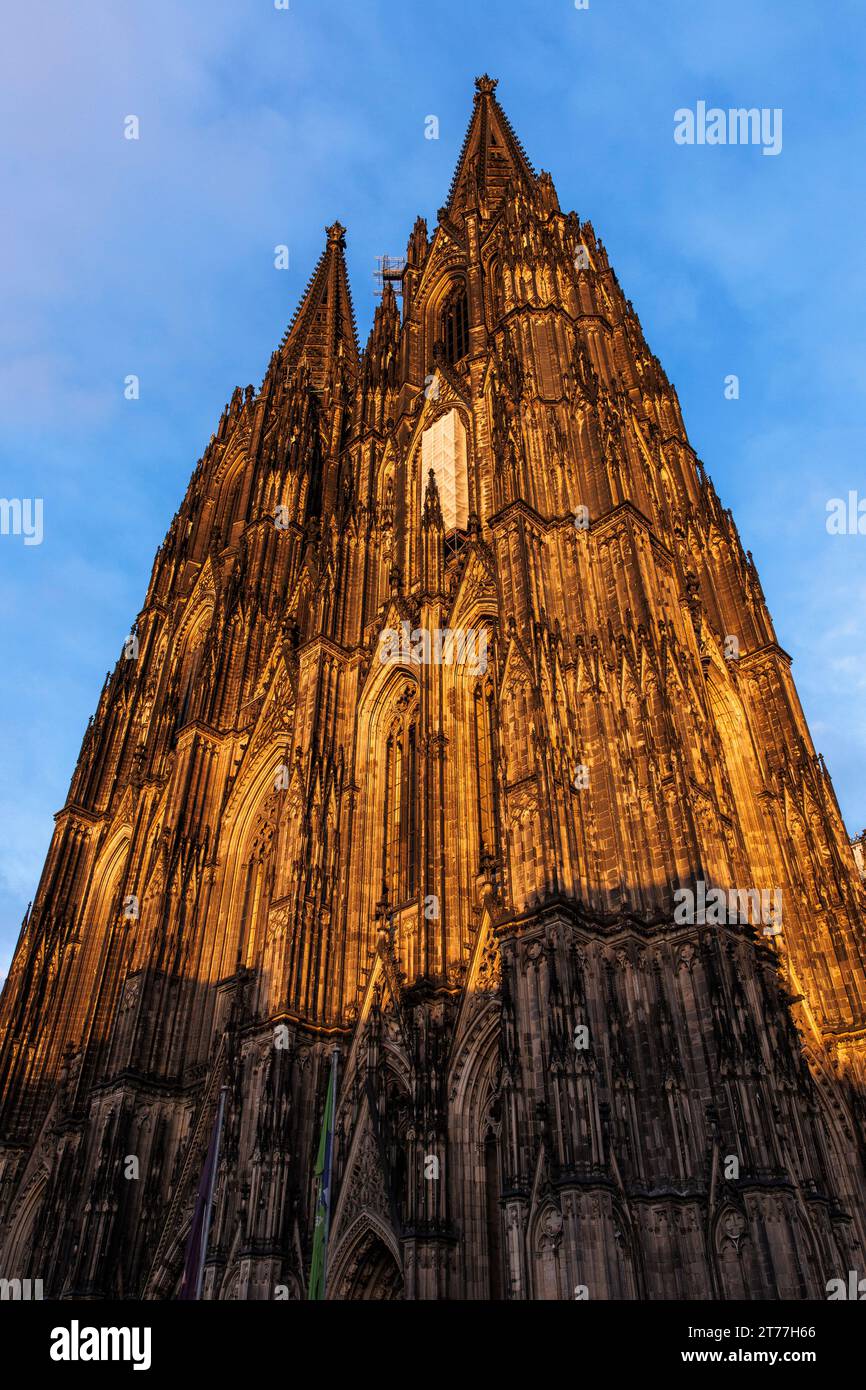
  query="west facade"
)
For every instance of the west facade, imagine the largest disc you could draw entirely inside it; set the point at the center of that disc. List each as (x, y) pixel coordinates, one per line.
(305, 819)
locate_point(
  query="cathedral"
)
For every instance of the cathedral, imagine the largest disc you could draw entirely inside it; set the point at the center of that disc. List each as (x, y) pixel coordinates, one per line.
(452, 755)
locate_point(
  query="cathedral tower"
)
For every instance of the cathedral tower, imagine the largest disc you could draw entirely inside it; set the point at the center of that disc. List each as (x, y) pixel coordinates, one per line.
(454, 735)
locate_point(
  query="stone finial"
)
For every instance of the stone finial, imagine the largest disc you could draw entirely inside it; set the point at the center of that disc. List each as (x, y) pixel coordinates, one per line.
(485, 86)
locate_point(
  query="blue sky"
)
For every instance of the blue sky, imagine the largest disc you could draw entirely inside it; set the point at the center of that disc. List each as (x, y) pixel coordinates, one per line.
(260, 126)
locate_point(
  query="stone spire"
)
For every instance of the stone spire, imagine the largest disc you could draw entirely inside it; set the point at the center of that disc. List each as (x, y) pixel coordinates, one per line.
(491, 157)
(322, 333)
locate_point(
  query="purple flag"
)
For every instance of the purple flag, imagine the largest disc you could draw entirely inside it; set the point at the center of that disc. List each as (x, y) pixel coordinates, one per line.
(196, 1246)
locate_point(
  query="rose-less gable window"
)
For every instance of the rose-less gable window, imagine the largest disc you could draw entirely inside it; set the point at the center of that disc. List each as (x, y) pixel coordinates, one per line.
(443, 448)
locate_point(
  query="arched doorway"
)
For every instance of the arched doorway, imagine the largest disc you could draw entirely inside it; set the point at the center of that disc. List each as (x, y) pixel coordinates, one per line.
(370, 1271)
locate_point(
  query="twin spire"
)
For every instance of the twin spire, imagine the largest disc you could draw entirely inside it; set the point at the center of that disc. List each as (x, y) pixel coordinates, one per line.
(322, 332)
(491, 157)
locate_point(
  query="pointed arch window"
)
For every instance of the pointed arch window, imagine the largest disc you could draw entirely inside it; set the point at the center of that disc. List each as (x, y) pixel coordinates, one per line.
(483, 736)
(455, 324)
(497, 302)
(258, 885)
(400, 842)
(187, 680)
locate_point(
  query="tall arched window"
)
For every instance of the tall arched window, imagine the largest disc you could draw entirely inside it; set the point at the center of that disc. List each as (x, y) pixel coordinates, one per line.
(258, 884)
(494, 280)
(189, 668)
(484, 754)
(400, 802)
(455, 324)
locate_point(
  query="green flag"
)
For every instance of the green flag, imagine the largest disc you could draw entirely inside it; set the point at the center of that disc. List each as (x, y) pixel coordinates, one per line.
(318, 1266)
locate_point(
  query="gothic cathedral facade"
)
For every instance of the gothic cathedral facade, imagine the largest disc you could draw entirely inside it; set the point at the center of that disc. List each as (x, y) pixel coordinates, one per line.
(452, 683)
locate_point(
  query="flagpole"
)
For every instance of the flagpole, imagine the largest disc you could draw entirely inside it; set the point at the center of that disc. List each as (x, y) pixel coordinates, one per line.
(205, 1234)
(334, 1057)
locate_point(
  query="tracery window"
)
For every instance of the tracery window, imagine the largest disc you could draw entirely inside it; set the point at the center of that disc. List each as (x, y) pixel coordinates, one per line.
(400, 801)
(189, 670)
(483, 733)
(455, 324)
(497, 303)
(258, 883)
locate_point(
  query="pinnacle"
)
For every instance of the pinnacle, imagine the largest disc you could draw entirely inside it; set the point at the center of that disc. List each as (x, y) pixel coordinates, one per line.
(432, 504)
(386, 320)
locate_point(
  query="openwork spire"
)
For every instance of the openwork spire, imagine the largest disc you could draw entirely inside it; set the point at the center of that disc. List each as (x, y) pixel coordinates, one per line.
(491, 157)
(322, 332)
